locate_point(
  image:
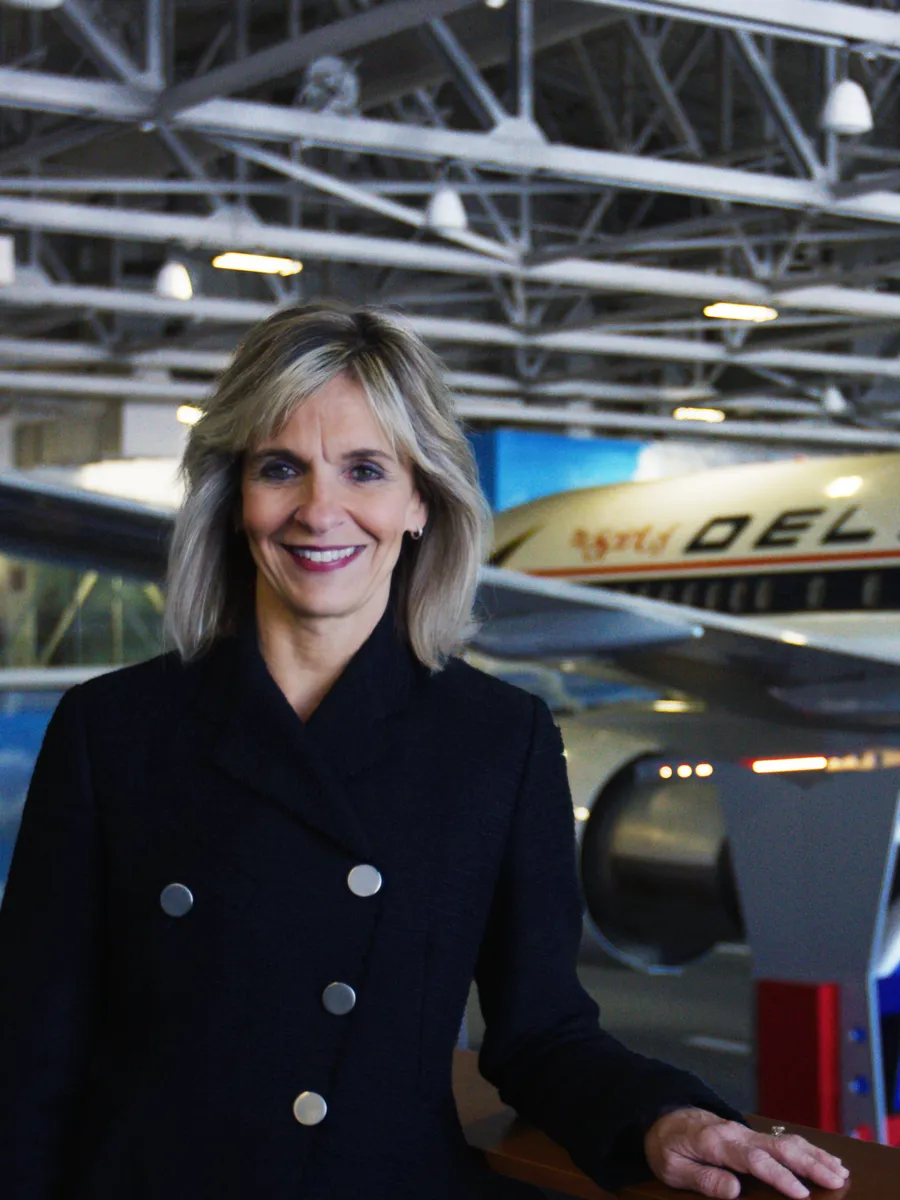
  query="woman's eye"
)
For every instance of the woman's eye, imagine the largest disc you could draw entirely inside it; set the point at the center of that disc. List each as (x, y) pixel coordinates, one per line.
(364, 472)
(276, 470)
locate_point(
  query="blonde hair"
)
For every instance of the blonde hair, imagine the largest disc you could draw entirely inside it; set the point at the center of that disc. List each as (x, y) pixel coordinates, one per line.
(281, 363)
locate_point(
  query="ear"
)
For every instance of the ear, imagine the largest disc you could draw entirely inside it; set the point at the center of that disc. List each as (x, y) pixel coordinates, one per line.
(418, 512)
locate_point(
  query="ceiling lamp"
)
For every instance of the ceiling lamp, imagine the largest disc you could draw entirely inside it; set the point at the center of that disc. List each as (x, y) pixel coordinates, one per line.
(834, 402)
(446, 211)
(847, 110)
(33, 5)
(173, 281)
(713, 416)
(263, 264)
(723, 311)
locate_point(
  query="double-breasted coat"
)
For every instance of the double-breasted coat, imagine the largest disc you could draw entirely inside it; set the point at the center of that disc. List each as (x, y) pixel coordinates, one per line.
(202, 996)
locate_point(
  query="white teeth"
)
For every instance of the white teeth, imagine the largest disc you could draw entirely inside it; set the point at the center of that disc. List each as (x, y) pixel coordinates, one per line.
(322, 556)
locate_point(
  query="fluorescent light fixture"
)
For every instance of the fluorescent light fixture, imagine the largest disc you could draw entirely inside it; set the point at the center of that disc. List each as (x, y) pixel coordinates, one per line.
(262, 264)
(712, 416)
(774, 766)
(582, 814)
(173, 282)
(703, 770)
(34, 5)
(847, 485)
(188, 415)
(724, 311)
(495, 3)
(672, 706)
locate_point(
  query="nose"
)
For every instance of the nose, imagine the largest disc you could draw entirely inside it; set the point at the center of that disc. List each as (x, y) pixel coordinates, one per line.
(317, 508)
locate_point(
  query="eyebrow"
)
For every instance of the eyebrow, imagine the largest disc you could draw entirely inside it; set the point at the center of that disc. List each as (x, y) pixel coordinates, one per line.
(279, 452)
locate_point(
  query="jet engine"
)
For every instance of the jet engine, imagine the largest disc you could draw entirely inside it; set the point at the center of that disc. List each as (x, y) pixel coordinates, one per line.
(655, 867)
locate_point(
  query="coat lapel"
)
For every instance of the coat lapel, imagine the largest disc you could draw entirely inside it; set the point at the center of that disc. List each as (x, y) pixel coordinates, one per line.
(358, 721)
(260, 742)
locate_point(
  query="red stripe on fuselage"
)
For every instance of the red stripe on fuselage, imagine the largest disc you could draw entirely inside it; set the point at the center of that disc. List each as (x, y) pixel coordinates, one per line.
(663, 570)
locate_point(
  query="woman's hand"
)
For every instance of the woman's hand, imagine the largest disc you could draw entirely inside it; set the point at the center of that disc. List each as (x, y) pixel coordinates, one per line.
(698, 1151)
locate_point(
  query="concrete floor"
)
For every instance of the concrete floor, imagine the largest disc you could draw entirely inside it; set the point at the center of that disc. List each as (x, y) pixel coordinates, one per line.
(663, 1015)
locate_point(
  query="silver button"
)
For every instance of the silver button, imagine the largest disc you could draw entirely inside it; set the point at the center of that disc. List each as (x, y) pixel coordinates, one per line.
(364, 880)
(176, 900)
(339, 998)
(310, 1108)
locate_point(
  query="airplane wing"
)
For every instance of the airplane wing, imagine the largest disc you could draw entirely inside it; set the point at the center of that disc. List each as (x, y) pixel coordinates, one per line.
(746, 667)
(82, 529)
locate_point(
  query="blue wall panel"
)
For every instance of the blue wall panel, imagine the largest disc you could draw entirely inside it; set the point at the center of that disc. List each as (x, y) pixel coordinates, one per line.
(517, 466)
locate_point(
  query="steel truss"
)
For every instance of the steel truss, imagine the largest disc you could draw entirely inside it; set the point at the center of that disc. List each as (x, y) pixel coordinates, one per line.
(622, 150)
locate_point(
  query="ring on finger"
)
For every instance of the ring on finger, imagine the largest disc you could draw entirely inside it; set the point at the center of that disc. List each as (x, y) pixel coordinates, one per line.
(777, 1131)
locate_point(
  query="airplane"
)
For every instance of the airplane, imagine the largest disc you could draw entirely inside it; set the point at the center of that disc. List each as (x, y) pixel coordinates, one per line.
(767, 591)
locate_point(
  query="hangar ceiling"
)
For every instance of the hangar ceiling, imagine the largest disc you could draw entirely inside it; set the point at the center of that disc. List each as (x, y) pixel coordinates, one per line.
(622, 165)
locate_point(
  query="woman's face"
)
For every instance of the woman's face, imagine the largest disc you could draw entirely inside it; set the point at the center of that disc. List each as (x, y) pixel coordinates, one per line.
(325, 505)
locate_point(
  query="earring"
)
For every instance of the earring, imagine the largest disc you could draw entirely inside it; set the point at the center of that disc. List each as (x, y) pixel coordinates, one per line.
(416, 534)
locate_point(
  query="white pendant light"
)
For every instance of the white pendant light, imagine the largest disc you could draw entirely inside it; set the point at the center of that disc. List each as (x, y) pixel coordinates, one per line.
(173, 281)
(847, 110)
(33, 5)
(446, 211)
(834, 402)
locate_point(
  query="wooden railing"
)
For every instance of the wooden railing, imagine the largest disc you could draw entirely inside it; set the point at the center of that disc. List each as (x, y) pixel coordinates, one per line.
(512, 1148)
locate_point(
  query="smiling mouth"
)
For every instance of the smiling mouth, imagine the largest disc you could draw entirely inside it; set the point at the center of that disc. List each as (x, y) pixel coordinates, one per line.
(331, 556)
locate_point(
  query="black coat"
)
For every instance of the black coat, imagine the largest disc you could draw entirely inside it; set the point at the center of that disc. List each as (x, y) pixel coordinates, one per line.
(146, 1056)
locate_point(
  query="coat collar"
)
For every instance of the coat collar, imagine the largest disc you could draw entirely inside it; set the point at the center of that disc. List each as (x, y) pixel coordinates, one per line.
(261, 742)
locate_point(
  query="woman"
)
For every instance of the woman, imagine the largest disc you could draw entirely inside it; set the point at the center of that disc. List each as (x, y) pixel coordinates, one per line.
(255, 876)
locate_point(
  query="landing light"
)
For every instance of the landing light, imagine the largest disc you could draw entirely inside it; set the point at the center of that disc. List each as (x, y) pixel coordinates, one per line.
(712, 415)
(847, 485)
(794, 639)
(188, 415)
(773, 766)
(723, 311)
(671, 706)
(264, 264)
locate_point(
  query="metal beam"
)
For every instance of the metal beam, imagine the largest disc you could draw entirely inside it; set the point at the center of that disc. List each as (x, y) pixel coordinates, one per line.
(795, 433)
(805, 20)
(289, 56)
(56, 141)
(361, 197)
(233, 230)
(487, 408)
(478, 96)
(75, 17)
(241, 313)
(48, 383)
(248, 119)
(662, 85)
(778, 103)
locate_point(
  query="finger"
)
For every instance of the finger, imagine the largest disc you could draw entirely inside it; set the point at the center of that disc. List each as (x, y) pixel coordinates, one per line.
(708, 1181)
(809, 1161)
(762, 1165)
